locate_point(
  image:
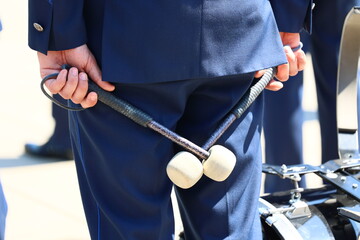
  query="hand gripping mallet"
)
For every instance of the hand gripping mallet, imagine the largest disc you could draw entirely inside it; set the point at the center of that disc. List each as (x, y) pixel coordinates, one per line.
(220, 162)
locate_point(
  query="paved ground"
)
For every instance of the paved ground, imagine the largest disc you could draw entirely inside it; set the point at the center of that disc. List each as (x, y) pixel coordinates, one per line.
(43, 197)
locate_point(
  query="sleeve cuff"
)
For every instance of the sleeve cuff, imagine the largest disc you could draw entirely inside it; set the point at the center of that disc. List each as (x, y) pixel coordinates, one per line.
(56, 26)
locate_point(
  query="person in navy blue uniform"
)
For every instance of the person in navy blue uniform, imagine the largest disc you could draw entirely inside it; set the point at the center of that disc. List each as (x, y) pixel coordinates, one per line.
(186, 64)
(3, 213)
(283, 139)
(3, 203)
(58, 145)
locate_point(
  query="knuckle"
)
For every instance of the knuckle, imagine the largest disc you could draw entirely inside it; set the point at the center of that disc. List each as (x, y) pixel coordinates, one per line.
(282, 73)
(50, 87)
(282, 77)
(76, 100)
(291, 58)
(65, 94)
(72, 81)
(54, 88)
(293, 73)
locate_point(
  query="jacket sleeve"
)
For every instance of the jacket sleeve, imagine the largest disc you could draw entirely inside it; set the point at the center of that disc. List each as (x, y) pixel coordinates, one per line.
(56, 25)
(293, 15)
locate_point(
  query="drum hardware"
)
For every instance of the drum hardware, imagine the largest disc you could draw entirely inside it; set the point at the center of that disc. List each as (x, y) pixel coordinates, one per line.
(269, 212)
(285, 169)
(350, 212)
(332, 171)
(295, 210)
(296, 192)
(274, 218)
(330, 166)
(301, 209)
(294, 177)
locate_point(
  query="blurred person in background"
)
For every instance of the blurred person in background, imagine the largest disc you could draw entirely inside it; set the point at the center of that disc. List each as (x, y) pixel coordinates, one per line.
(283, 114)
(3, 204)
(58, 145)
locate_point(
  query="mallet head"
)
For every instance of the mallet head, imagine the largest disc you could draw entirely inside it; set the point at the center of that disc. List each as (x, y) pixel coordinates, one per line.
(184, 169)
(219, 164)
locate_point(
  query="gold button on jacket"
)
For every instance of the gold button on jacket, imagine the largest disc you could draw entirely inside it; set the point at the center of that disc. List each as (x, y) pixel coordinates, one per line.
(38, 27)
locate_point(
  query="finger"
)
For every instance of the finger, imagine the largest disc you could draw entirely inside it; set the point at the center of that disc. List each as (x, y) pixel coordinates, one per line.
(94, 72)
(90, 100)
(82, 89)
(293, 67)
(55, 85)
(259, 74)
(72, 81)
(282, 73)
(301, 60)
(274, 85)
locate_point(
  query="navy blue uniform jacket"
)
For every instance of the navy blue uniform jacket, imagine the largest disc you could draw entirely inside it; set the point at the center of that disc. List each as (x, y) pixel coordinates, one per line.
(137, 41)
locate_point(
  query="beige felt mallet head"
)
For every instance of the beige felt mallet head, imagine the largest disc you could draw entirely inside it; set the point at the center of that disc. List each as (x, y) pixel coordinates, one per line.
(219, 165)
(184, 170)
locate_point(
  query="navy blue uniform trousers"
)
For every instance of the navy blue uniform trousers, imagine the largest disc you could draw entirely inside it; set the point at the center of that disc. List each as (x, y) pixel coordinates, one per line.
(126, 193)
(61, 135)
(283, 117)
(3, 213)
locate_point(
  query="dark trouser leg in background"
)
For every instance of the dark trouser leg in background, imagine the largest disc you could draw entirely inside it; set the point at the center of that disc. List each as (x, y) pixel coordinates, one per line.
(58, 146)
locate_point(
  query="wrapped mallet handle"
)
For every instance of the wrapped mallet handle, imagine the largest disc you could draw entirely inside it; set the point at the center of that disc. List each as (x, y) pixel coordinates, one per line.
(241, 107)
(145, 120)
(132, 113)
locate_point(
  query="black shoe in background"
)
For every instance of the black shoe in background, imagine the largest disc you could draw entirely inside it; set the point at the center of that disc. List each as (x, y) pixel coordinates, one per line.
(49, 150)
(181, 235)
